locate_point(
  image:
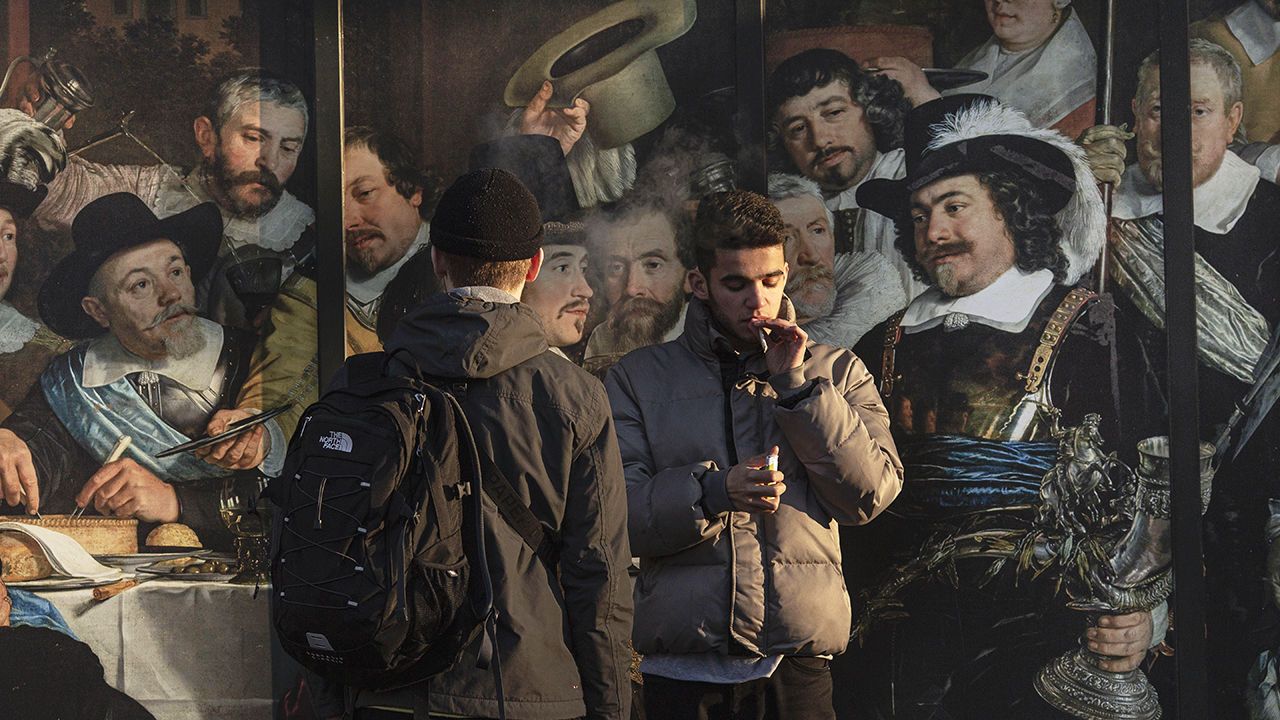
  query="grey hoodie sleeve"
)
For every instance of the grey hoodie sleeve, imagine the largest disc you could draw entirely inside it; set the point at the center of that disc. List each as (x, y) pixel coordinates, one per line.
(594, 559)
(840, 431)
(669, 509)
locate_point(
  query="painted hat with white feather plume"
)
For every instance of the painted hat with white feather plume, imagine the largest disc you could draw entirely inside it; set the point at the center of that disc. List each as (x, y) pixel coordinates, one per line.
(964, 134)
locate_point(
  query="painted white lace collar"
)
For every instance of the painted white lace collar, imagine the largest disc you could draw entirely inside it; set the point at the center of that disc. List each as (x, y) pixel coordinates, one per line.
(1219, 202)
(106, 360)
(1006, 304)
(16, 329)
(276, 231)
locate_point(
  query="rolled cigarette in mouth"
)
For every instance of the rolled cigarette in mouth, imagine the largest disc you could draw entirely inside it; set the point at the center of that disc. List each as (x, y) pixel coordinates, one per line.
(764, 344)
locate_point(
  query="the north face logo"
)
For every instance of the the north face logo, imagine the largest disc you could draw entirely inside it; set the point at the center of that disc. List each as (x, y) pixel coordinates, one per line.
(337, 441)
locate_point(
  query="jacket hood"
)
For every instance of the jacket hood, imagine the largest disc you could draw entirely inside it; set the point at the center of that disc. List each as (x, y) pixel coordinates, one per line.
(466, 337)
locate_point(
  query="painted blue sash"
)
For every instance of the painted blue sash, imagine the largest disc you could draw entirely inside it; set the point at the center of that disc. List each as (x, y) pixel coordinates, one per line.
(946, 475)
(33, 610)
(97, 417)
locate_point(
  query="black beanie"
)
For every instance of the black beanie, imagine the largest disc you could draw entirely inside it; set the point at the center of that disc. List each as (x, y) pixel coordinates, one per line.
(487, 214)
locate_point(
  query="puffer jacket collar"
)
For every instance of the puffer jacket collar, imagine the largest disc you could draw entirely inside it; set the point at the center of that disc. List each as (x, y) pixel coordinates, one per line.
(705, 340)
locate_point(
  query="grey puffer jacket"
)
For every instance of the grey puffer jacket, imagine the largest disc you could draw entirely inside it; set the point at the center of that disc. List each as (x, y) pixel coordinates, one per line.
(737, 583)
(546, 423)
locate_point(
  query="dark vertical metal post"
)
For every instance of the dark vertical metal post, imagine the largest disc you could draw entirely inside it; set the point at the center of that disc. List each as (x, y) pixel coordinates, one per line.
(1184, 408)
(330, 258)
(750, 93)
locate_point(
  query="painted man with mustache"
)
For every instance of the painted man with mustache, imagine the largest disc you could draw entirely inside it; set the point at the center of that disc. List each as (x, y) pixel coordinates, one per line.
(839, 126)
(250, 138)
(561, 294)
(837, 297)
(1238, 308)
(1002, 220)
(644, 251)
(385, 236)
(147, 366)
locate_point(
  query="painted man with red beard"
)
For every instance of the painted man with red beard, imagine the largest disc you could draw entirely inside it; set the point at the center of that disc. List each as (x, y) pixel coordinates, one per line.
(148, 367)
(837, 297)
(643, 252)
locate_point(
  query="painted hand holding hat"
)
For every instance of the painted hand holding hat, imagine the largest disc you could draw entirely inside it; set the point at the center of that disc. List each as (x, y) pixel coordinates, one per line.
(969, 134)
(112, 224)
(608, 59)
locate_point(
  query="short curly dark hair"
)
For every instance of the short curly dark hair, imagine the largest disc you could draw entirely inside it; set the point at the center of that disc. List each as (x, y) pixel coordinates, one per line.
(880, 97)
(1037, 239)
(735, 220)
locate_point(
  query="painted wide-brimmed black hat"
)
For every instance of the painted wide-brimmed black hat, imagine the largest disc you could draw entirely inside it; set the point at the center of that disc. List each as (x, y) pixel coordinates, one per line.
(111, 224)
(963, 134)
(936, 149)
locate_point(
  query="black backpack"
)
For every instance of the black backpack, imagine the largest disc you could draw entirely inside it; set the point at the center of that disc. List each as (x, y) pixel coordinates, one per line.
(378, 568)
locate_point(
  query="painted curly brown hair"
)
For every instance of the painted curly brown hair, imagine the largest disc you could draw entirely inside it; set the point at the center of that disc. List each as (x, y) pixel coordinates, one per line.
(1037, 240)
(880, 97)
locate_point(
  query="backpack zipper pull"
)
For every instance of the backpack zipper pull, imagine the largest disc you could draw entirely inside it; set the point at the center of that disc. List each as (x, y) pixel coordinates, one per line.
(319, 523)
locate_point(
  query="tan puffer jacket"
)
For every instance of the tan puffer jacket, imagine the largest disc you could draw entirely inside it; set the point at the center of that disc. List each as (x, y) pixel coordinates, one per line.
(736, 583)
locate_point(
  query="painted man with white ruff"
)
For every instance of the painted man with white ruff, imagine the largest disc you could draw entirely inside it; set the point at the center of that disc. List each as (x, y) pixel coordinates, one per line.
(837, 297)
(149, 367)
(1237, 309)
(250, 138)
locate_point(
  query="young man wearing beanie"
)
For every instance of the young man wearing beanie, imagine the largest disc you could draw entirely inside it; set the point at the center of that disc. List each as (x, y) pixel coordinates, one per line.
(740, 602)
(562, 628)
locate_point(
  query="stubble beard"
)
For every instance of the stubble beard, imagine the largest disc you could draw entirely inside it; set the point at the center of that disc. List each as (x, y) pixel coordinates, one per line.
(837, 180)
(944, 276)
(1151, 162)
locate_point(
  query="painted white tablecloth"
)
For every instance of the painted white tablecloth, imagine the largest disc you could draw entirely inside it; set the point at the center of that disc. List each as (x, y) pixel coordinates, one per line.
(195, 650)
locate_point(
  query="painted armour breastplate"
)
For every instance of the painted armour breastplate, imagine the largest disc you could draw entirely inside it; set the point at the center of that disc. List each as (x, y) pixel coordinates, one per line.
(972, 381)
(189, 410)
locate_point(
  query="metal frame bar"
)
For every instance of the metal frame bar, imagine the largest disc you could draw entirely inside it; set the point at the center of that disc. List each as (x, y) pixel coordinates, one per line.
(330, 259)
(749, 42)
(1184, 405)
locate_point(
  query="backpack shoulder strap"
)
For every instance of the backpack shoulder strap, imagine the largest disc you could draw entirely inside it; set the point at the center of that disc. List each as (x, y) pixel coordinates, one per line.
(541, 539)
(361, 368)
(537, 536)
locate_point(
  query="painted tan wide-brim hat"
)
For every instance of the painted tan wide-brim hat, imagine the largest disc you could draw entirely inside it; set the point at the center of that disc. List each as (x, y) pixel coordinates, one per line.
(608, 59)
